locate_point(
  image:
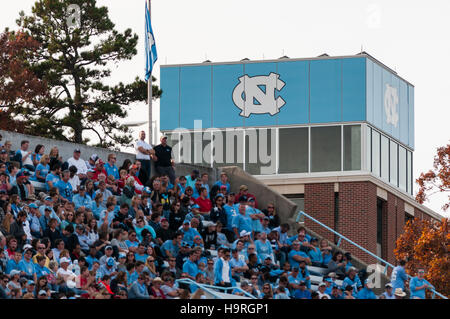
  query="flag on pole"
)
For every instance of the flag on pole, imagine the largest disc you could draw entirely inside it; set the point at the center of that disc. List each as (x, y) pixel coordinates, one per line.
(150, 46)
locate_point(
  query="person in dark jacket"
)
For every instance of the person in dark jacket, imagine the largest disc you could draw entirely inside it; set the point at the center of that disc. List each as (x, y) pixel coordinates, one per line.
(16, 229)
(218, 213)
(70, 239)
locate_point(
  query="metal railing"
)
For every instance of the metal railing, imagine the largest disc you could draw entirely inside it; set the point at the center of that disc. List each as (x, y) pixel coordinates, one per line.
(212, 289)
(342, 237)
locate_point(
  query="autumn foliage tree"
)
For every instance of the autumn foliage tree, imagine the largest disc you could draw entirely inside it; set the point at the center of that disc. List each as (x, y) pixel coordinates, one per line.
(426, 244)
(436, 180)
(18, 84)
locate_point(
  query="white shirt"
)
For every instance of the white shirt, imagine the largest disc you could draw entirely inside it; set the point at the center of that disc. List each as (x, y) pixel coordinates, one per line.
(225, 271)
(66, 274)
(79, 164)
(144, 145)
(28, 160)
(26, 229)
(75, 182)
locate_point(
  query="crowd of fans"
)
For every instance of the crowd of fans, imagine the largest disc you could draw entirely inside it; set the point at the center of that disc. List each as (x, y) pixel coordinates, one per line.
(82, 227)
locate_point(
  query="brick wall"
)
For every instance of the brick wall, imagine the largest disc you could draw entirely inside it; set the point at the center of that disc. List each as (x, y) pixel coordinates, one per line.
(358, 217)
(319, 203)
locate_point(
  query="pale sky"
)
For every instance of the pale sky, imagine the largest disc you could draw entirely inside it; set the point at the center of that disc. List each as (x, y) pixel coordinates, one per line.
(410, 37)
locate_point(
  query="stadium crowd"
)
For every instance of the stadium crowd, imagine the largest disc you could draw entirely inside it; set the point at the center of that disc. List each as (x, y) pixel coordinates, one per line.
(82, 227)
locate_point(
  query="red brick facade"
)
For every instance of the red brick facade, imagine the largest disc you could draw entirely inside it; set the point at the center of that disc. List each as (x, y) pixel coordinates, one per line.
(319, 203)
(357, 216)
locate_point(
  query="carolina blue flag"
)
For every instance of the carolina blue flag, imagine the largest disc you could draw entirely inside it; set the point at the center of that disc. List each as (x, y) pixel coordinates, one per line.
(150, 47)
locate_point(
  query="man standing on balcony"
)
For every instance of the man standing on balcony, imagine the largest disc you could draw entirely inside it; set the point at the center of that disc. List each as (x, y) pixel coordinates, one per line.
(144, 153)
(164, 162)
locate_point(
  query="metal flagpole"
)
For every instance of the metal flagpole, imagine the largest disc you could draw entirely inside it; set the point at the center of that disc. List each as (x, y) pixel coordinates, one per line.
(150, 95)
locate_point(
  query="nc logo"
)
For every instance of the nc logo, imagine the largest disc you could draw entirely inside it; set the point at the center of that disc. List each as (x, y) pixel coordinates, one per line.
(390, 105)
(256, 95)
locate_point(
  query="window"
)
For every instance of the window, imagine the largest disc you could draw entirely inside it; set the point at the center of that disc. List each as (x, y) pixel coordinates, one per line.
(376, 153)
(293, 150)
(409, 173)
(325, 149)
(393, 172)
(369, 148)
(402, 168)
(228, 148)
(260, 151)
(352, 147)
(384, 157)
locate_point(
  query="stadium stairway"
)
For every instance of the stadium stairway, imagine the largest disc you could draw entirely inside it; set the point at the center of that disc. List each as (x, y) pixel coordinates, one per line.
(288, 213)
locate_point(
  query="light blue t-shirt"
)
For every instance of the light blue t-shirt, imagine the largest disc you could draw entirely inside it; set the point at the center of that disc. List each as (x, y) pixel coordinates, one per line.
(43, 171)
(292, 253)
(242, 222)
(65, 190)
(398, 277)
(112, 170)
(51, 178)
(416, 282)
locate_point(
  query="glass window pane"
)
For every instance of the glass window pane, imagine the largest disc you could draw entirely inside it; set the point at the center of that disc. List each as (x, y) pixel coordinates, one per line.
(352, 147)
(293, 150)
(393, 177)
(369, 148)
(402, 168)
(376, 153)
(228, 148)
(409, 173)
(325, 149)
(260, 151)
(384, 157)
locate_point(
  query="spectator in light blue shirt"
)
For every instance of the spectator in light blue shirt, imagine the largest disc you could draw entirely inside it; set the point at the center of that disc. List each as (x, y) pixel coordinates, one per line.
(35, 224)
(315, 254)
(81, 199)
(366, 292)
(190, 268)
(242, 221)
(418, 285)
(189, 232)
(399, 276)
(65, 188)
(264, 247)
(352, 280)
(26, 265)
(111, 168)
(53, 177)
(223, 181)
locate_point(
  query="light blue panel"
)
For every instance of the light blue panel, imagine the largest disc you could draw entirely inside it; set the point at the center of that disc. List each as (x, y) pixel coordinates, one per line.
(225, 79)
(378, 93)
(369, 91)
(395, 130)
(403, 106)
(411, 115)
(295, 92)
(387, 80)
(353, 89)
(195, 96)
(170, 108)
(326, 86)
(259, 69)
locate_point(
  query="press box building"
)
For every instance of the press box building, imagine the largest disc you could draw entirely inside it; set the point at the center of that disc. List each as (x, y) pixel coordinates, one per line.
(333, 134)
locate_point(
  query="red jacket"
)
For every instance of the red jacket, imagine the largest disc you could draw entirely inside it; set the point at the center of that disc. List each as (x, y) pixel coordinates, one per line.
(205, 204)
